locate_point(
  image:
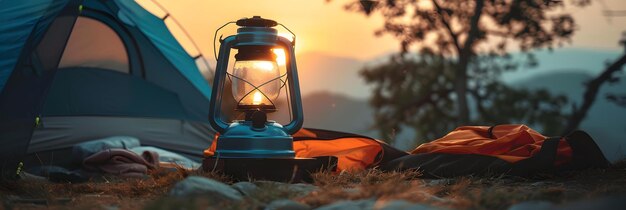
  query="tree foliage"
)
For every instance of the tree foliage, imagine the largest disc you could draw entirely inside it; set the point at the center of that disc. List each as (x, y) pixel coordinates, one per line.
(418, 93)
(463, 48)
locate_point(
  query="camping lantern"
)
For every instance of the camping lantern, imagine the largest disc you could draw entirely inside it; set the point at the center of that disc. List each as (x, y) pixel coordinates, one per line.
(256, 84)
(256, 144)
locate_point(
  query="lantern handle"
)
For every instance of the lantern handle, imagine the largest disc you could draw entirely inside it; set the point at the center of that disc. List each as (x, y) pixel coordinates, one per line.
(215, 37)
(293, 43)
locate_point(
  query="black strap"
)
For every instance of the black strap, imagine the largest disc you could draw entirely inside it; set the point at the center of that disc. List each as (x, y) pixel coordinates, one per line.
(490, 132)
(542, 161)
(585, 152)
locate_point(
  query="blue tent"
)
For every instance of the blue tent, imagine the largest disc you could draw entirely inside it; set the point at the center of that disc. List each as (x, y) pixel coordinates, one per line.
(73, 71)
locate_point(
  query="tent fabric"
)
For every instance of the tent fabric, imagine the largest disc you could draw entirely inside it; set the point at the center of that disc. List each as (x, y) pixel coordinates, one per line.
(83, 91)
(18, 20)
(156, 30)
(510, 143)
(46, 108)
(184, 137)
(94, 44)
(24, 92)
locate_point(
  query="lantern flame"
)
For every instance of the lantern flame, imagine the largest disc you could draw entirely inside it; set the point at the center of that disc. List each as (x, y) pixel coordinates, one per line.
(257, 98)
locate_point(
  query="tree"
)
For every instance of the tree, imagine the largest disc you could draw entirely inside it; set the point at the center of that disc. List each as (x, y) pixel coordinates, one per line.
(592, 87)
(417, 92)
(471, 39)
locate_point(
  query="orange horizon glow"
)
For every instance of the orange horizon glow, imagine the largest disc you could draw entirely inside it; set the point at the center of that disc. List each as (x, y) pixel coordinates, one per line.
(325, 27)
(319, 26)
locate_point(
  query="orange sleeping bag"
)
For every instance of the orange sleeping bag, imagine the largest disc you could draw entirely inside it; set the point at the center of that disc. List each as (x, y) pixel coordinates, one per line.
(352, 151)
(510, 143)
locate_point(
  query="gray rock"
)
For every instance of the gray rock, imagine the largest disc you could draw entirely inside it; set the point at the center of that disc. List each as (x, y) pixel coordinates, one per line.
(541, 184)
(350, 205)
(532, 205)
(245, 188)
(616, 202)
(286, 204)
(405, 205)
(107, 207)
(352, 190)
(438, 182)
(195, 185)
(300, 189)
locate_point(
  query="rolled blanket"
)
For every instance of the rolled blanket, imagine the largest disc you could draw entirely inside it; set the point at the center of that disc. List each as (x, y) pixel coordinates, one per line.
(86, 149)
(121, 162)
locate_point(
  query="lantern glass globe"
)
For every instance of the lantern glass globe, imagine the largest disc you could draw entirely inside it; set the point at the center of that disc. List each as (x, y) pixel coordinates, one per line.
(262, 74)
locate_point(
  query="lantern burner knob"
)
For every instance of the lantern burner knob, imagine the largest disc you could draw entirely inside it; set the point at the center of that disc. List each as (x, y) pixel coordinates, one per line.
(258, 119)
(256, 21)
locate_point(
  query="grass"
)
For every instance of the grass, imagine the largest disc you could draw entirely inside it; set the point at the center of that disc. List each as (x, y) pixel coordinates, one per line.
(458, 193)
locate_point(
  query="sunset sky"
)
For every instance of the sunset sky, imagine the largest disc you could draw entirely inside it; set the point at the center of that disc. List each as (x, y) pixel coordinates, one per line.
(325, 27)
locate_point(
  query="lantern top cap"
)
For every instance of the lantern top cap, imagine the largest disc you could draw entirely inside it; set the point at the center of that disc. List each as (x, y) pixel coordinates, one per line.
(256, 21)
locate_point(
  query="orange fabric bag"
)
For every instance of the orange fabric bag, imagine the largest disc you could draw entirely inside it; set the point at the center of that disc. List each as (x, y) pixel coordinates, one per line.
(353, 153)
(510, 143)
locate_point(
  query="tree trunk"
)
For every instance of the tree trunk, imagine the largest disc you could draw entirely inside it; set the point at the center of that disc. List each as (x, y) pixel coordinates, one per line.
(465, 55)
(460, 88)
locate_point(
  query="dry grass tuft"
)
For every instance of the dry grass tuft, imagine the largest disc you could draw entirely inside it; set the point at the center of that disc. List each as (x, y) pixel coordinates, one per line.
(457, 193)
(373, 176)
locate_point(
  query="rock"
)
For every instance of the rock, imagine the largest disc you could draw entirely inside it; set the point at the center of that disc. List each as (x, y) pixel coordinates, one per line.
(352, 190)
(541, 184)
(300, 189)
(245, 188)
(195, 185)
(532, 205)
(107, 207)
(405, 205)
(349, 205)
(438, 182)
(373, 204)
(286, 204)
(604, 203)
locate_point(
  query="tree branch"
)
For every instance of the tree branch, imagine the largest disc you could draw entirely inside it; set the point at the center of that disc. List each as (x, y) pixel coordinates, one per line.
(591, 93)
(454, 36)
(473, 32)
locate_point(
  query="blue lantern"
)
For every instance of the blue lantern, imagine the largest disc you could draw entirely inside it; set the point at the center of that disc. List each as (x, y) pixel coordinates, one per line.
(256, 147)
(256, 84)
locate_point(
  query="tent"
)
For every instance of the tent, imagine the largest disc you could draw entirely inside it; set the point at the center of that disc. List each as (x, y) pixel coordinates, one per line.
(73, 71)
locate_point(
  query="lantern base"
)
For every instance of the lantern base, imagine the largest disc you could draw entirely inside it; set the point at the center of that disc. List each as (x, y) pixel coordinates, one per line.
(273, 169)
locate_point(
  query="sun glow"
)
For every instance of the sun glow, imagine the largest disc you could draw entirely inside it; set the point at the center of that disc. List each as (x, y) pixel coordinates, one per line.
(264, 65)
(281, 59)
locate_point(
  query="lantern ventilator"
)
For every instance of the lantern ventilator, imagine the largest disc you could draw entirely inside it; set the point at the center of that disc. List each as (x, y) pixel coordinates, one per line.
(257, 147)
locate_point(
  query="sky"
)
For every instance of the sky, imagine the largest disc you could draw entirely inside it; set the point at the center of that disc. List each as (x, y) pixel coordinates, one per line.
(325, 27)
(319, 26)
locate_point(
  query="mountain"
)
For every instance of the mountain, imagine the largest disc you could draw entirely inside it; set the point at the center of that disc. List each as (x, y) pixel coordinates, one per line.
(340, 112)
(590, 61)
(336, 74)
(335, 97)
(323, 72)
(605, 121)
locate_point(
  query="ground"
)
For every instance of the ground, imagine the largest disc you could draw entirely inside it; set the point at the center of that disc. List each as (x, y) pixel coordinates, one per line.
(457, 193)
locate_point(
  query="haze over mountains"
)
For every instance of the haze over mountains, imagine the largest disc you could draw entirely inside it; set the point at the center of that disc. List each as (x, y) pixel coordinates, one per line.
(335, 97)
